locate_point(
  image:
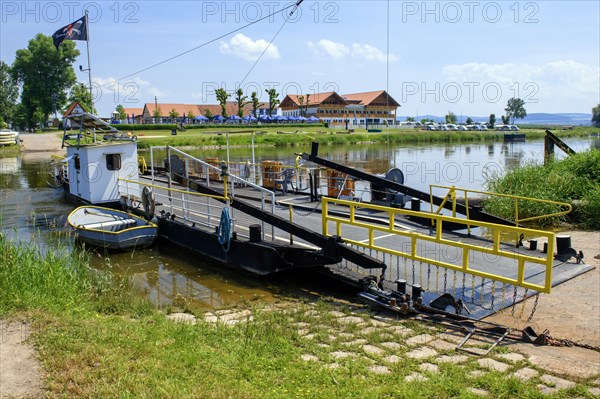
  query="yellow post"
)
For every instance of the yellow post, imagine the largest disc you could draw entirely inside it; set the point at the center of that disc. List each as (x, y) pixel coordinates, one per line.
(324, 216)
(291, 221)
(453, 198)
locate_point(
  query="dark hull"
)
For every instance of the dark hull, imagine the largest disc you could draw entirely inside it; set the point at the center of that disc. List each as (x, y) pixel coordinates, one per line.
(141, 237)
(260, 258)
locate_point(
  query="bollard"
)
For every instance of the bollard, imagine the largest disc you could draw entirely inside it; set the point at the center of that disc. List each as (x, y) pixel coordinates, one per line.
(563, 243)
(416, 292)
(415, 205)
(401, 286)
(255, 232)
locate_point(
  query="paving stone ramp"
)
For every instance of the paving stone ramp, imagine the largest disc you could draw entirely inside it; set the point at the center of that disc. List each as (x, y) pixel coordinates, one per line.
(383, 340)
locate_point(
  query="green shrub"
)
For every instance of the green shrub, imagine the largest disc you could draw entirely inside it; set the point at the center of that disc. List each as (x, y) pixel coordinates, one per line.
(575, 180)
(589, 212)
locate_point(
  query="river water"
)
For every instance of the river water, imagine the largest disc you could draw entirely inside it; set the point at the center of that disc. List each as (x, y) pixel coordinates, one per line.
(32, 211)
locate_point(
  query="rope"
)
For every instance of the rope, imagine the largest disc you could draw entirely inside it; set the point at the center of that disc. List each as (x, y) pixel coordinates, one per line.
(224, 231)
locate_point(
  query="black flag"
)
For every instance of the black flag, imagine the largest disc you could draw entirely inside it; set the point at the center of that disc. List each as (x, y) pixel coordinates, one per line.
(74, 31)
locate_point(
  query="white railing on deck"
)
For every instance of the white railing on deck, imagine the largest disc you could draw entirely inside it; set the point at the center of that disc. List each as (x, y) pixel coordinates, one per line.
(206, 171)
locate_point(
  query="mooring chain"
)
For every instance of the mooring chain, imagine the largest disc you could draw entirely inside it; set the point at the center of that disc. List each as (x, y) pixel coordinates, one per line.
(309, 212)
(429, 275)
(535, 303)
(445, 279)
(567, 342)
(514, 301)
(523, 306)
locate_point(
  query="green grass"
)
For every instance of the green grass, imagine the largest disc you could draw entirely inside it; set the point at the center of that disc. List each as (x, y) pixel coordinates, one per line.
(58, 282)
(97, 339)
(306, 135)
(574, 180)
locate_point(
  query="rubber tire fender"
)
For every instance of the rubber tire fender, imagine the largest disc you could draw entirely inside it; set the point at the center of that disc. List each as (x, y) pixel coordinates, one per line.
(148, 203)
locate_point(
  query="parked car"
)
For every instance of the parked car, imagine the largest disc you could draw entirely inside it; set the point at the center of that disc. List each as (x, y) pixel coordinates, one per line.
(514, 128)
(462, 128)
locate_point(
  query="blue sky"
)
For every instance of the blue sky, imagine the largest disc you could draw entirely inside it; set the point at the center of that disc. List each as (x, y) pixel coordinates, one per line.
(467, 57)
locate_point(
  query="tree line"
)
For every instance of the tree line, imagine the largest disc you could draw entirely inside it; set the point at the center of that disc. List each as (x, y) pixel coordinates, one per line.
(41, 81)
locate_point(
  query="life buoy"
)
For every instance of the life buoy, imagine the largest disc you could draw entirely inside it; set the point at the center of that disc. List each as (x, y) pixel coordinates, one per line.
(148, 203)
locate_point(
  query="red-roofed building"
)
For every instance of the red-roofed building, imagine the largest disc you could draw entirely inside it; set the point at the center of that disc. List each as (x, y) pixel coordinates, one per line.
(134, 115)
(193, 110)
(378, 107)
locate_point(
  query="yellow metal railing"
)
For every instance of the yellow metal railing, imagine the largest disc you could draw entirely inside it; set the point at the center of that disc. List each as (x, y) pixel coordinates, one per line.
(451, 196)
(421, 254)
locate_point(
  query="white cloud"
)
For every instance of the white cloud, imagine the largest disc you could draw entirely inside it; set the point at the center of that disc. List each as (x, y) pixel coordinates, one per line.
(562, 77)
(370, 53)
(557, 86)
(356, 50)
(248, 49)
(155, 91)
(332, 49)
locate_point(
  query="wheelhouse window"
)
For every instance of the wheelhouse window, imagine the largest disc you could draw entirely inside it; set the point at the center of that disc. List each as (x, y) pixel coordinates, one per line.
(113, 161)
(77, 162)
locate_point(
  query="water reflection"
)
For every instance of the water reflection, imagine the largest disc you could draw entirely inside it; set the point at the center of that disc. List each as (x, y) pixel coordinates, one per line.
(462, 165)
(171, 279)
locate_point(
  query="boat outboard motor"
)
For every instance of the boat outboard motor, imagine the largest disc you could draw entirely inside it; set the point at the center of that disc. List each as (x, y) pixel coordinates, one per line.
(387, 196)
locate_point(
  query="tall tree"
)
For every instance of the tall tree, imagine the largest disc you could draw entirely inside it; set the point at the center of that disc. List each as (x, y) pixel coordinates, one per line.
(505, 119)
(43, 71)
(80, 93)
(240, 99)
(157, 115)
(121, 110)
(173, 114)
(191, 116)
(9, 93)
(451, 117)
(222, 97)
(515, 109)
(255, 103)
(492, 120)
(273, 100)
(469, 121)
(410, 119)
(596, 116)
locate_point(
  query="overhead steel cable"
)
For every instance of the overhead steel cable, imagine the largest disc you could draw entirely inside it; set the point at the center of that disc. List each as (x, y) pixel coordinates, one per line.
(294, 6)
(272, 40)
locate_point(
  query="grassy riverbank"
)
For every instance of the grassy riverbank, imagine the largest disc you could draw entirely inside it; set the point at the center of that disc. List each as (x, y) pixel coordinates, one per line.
(96, 338)
(304, 136)
(575, 180)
